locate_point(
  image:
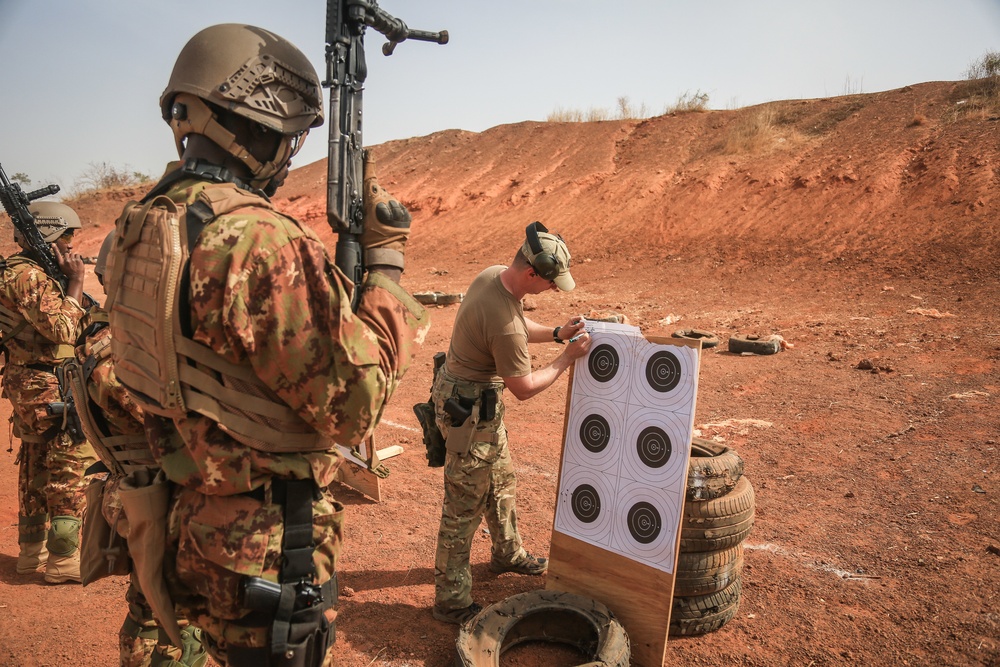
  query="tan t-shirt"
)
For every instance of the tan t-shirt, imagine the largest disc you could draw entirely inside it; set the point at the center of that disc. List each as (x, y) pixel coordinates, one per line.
(490, 339)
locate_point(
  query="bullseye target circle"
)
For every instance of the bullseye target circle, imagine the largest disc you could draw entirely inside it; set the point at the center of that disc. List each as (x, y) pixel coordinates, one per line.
(665, 376)
(594, 433)
(655, 447)
(646, 521)
(607, 369)
(585, 508)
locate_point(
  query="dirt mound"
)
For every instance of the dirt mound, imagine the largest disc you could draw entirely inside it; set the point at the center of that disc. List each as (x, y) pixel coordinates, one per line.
(862, 229)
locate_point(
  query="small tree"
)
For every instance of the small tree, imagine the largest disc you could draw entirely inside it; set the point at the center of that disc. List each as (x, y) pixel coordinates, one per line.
(22, 178)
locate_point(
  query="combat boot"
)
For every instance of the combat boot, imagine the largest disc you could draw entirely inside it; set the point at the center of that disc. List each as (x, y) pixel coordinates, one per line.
(31, 557)
(32, 553)
(64, 550)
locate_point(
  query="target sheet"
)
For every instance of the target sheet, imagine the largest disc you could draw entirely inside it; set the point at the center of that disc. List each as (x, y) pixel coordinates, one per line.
(627, 442)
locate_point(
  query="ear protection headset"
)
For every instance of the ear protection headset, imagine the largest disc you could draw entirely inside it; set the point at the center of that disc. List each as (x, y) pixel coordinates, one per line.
(545, 264)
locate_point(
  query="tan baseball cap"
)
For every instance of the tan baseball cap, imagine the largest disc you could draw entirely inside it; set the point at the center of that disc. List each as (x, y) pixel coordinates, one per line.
(548, 255)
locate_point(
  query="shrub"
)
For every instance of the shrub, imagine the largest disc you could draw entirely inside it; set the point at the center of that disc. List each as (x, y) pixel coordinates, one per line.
(981, 90)
(105, 176)
(690, 103)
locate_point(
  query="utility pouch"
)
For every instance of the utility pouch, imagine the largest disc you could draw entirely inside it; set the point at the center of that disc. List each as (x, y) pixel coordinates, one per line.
(462, 434)
(488, 407)
(102, 549)
(146, 499)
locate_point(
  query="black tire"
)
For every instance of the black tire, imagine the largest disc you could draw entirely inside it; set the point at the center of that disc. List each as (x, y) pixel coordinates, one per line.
(700, 614)
(540, 615)
(754, 345)
(713, 470)
(707, 338)
(703, 573)
(720, 523)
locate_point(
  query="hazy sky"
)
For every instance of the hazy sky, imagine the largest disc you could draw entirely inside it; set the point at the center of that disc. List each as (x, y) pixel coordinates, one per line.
(81, 79)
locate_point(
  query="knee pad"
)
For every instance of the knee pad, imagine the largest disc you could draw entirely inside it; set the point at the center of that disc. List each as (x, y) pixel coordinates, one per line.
(64, 535)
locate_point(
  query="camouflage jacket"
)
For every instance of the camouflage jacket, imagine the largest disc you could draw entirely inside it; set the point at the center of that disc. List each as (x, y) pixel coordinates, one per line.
(264, 291)
(54, 318)
(53, 321)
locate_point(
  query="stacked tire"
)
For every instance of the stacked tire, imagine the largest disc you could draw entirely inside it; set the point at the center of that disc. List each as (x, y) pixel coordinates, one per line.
(718, 517)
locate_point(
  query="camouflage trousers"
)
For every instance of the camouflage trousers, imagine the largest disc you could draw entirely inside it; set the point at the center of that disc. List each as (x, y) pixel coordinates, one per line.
(141, 640)
(50, 466)
(50, 477)
(215, 542)
(478, 484)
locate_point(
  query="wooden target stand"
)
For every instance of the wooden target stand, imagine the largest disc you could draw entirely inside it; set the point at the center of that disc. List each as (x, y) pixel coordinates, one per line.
(639, 595)
(356, 472)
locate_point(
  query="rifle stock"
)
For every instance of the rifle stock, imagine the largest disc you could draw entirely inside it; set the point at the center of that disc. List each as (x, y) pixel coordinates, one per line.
(15, 203)
(346, 71)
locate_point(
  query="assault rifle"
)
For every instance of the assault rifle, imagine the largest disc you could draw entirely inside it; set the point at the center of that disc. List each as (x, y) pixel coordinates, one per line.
(15, 202)
(346, 71)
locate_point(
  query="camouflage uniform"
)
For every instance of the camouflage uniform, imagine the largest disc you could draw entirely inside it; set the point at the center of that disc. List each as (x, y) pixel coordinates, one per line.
(264, 292)
(479, 484)
(140, 635)
(51, 466)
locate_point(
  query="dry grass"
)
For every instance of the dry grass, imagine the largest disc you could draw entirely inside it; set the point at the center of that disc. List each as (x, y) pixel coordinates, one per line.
(689, 102)
(105, 176)
(625, 111)
(979, 94)
(755, 130)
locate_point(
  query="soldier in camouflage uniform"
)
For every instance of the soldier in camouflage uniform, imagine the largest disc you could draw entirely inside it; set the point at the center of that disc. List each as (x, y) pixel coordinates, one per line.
(488, 353)
(263, 305)
(113, 423)
(40, 323)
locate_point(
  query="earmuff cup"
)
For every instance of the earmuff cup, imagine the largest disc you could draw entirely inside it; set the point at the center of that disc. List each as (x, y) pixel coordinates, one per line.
(545, 264)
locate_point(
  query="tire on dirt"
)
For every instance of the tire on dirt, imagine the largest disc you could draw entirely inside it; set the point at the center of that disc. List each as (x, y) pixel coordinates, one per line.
(540, 615)
(699, 614)
(713, 470)
(720, 523)
(707, 338)
(706, 572)
(754, 345)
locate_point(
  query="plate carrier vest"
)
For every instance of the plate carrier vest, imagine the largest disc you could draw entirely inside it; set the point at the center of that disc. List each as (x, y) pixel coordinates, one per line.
(166, 371)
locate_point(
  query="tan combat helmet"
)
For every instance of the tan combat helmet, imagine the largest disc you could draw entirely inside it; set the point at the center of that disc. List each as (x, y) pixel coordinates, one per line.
(52, 219)
(101, 265)
(247, 71)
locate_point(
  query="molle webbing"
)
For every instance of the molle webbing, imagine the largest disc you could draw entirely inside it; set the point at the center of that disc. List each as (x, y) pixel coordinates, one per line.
(167, 372)
(122, 454)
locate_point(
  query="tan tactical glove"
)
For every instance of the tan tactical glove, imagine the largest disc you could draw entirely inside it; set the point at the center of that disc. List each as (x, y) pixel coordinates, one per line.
(387, 223)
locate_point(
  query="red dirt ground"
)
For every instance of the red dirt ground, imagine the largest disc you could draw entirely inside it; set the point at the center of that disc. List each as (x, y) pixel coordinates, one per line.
(859, 228)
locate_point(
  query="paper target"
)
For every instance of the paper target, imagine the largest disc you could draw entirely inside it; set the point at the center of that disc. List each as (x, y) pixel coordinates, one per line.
(645, 525)
(585, 507)
(606, 370)
(594, 433)
(664, 376)
(655, 447)
(626, 445)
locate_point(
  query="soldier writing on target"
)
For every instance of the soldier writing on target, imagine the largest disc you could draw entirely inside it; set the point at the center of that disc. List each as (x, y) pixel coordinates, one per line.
(488, 354)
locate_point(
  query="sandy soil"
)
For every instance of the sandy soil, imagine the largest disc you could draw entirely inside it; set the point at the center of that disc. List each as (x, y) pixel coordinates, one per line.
(862, 229)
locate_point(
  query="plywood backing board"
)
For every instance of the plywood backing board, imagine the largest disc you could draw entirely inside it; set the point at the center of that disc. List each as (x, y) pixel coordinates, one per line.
(639, 594)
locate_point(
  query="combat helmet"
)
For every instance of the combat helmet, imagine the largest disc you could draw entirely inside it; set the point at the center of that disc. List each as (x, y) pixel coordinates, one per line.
(52, 219)
(101, 265)
(251, 72)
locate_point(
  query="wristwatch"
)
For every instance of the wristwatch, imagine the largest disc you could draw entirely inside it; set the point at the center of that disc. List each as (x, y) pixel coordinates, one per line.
(555, 336)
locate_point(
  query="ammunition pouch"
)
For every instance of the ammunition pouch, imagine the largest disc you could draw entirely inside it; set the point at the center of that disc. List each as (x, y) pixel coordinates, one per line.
(467, 405)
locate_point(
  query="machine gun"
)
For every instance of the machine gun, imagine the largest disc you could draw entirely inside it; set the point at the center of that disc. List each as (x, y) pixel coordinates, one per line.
(15, 202)
(346, 71)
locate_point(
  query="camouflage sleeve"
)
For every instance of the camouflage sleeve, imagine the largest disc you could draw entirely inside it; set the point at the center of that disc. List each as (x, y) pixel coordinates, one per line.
(41, 302)
(293, 319)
